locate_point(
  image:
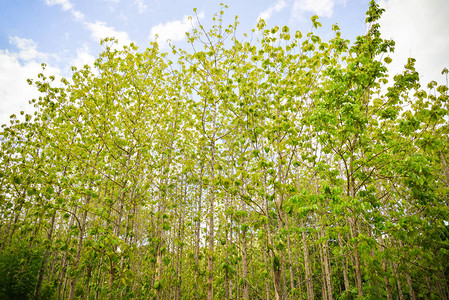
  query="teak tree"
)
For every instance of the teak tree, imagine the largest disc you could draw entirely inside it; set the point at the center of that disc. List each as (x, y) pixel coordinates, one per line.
(276, 166)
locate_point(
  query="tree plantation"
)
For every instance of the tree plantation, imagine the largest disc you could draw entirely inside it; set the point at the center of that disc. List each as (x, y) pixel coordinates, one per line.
(275, 165)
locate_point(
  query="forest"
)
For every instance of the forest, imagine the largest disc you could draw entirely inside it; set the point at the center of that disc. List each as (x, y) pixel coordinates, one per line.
(266, 165)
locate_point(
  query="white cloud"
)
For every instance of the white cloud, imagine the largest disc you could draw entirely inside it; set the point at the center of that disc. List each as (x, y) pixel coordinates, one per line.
(15, 69)
(420, 30)
(27, 49)
(277, 7)
(322, 8)
(65, 4)
(99, 30)
(174, 30)
(79, 16)
(141, 6)
(83, 57)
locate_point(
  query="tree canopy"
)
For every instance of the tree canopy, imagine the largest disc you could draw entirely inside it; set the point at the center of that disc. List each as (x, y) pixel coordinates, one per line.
(281, 166)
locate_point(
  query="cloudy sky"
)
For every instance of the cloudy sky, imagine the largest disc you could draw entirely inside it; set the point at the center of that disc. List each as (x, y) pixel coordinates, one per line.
(63, 33)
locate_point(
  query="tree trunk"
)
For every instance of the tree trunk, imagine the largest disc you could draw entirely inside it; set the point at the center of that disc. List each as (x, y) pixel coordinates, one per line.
(197, 229)
(323, 276)
(394, 267)
(445, 168)
(326, 267)
(298, 272)
(210, 261)
(160, 232)
(344, 266)
(353, 224)
(289, 252)
(429, 287)
(40, 279)
(385, 269)
(358, 271)
(180, 244)
(267, 285)
(63, 273)
(80, 247)
(277, 276)
(409, 279)
(309, 282)
(227, 285)
(244, 254)
(275, 262)
(410, 285)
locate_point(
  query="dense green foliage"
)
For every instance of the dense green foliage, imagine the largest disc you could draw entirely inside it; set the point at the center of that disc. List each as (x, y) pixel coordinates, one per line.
(19, 267)
(282, 167)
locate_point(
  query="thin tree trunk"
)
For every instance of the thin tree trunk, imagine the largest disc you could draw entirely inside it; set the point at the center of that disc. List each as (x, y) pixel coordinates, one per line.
(113, 265)
(309, 283)
(298, 272)
(445, 168)
(441, 290)
(289, 252)
(446, 288)
(267, 286)
(357, 265)
(353, 224)
(323, 276)
(276, 272)
(429, 287)
(227, 285)
(244, 254)
(197, 229)
(277, 276)
(385, 269)
(326, 267)
(80, 247)
(283, 276)
(409, 279)
(64, 261)
(344, 266)
(40, 279)
(161, 209)
(180, 245)
(394, 267)
(210, 261)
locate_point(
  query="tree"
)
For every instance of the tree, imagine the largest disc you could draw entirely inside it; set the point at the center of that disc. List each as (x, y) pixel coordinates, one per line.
(280, 167)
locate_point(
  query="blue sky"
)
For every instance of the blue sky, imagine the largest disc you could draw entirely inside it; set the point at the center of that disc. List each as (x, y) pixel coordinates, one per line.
(63, 33)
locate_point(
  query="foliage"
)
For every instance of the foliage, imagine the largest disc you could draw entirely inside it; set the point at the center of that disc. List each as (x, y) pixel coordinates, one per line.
(278, 167)
(19, 266)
